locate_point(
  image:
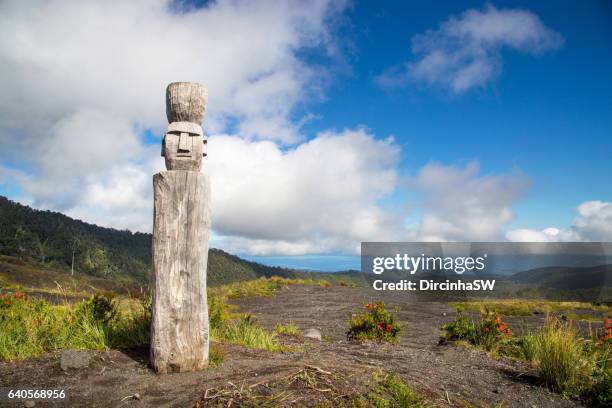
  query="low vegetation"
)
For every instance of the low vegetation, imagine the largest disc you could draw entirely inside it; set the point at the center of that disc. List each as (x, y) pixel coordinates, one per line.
(566, 362)
(392, 391)
(315, 386)
(487, 332)
(289, 329)
(558, 353)
(376, 323)
(245, 332)
(31, 327)
(519, 307)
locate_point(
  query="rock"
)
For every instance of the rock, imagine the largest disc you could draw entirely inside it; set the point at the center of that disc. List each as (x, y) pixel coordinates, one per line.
(313, 334)
(443, 313)
(29, 404)
(74, 359)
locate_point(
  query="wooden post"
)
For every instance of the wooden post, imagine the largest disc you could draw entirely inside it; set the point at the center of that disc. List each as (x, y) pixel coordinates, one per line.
(179, 330)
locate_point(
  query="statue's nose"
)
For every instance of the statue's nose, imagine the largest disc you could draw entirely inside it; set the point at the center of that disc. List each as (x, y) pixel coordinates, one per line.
(184, 143)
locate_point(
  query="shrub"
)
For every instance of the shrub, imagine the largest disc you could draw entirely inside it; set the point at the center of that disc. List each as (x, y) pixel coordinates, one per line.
(461, 328)
(491, 330)
(374, 324)
(102, 308)
(488, 332)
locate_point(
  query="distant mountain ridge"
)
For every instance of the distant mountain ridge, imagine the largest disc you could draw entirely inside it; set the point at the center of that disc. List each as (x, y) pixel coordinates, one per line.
(51, 238)
(567, 278)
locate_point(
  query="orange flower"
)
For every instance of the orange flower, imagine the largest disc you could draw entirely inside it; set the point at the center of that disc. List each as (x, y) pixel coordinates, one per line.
(18, 295)
(388, 328)
(368, 306)
(379, 327)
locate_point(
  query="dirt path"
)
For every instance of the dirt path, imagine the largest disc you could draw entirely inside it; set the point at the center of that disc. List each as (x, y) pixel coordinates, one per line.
(447, 375)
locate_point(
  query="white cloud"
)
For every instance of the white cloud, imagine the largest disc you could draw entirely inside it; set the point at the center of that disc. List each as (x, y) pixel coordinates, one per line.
(461, 205)
(593, 223)
(118, 56)
(464, 52)
(318, 197)
(81, 80)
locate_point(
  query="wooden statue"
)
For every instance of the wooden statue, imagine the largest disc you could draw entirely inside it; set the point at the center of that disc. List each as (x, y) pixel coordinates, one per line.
(179, 329)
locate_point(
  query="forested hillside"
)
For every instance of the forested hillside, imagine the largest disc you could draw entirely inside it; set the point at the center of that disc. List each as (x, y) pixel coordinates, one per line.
(54, 240)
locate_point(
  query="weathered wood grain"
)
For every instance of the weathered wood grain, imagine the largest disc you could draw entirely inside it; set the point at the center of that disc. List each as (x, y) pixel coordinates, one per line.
(179, 332)
(186, 102)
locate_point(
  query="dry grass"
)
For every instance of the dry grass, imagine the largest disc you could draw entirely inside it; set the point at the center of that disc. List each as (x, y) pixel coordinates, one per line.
(516, 307)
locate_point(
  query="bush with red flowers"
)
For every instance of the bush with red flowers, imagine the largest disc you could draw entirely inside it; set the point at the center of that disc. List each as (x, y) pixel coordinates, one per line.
(376, 323)
(488, 332)
(491, 330)
(7, 299)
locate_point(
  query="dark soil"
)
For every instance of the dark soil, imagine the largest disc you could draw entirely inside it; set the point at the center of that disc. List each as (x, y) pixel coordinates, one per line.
(331, 371)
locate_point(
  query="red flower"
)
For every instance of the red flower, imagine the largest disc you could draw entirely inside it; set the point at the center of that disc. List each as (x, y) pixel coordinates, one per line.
(18, 295)
(368, 306)
(379, 327)
(388, 328)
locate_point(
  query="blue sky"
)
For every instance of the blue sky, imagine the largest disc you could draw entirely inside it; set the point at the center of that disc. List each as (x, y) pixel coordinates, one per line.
(549, 116)
(330, 123)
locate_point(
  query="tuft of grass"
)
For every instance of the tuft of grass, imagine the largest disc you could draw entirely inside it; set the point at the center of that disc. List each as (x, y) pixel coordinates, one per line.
(289, 329)
(558, 354)
(392, 391)
(246, 333)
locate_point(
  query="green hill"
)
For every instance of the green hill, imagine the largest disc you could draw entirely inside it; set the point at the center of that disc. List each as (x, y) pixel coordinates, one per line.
(55, 242)
(567, 278)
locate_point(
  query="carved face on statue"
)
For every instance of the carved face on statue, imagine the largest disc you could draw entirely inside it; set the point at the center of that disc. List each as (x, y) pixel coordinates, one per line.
(183, 146)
